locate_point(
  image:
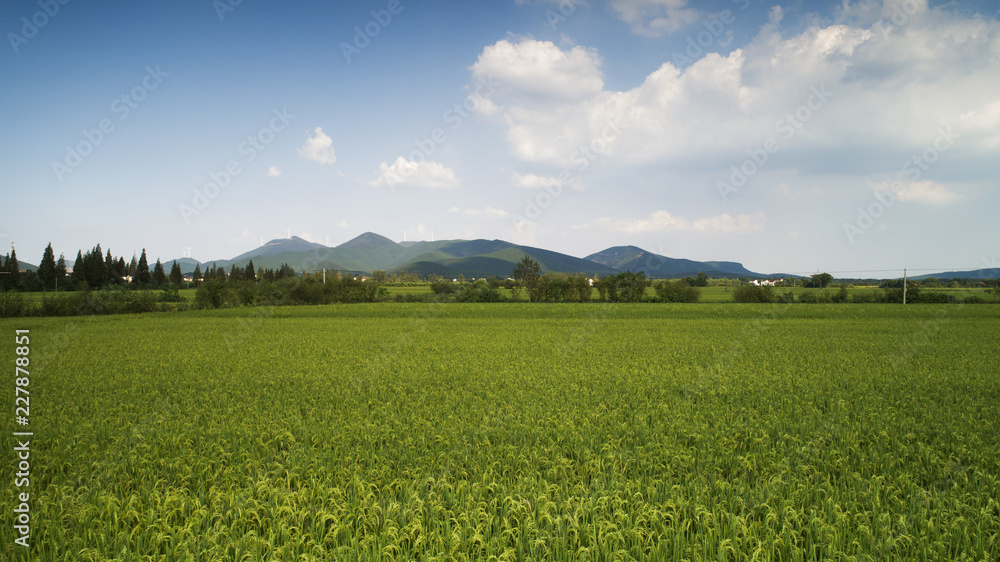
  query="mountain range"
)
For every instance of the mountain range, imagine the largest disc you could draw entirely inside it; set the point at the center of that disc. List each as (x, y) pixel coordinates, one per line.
(451, 258)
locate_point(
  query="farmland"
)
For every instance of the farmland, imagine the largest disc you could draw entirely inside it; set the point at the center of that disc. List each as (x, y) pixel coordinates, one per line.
(546, 432)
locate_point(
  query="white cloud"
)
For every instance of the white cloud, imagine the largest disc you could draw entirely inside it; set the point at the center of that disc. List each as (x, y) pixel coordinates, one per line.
(883, 86)
(539, 71)
(534, 181)
(318, 148)
(663, 220)
(486, 213)
(926, 191)
(653, 18)
(273, 172)
(402, 172)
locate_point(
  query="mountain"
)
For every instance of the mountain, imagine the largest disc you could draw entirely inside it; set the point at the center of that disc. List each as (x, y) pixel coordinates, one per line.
(992, 273)
(451, 258)
(632, 258)
(279, 246)
(187, 264)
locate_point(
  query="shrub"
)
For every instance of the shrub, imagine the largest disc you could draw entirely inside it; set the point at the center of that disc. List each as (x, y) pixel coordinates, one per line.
(753, 293)
(675, 291)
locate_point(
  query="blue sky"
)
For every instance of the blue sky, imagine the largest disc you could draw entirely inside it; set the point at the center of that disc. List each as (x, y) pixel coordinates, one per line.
(792, 137)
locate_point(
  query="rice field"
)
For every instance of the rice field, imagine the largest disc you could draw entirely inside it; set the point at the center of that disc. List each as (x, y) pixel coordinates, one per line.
(512, 432)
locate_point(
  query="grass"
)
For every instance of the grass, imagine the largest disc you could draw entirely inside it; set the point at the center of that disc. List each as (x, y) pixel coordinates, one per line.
(546, 432)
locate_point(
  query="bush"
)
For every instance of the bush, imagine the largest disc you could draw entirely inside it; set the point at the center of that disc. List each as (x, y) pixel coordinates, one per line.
(12, 305)
(974, 299)
(753, 293)
(480, 291)
(212, 293)
(675, 291)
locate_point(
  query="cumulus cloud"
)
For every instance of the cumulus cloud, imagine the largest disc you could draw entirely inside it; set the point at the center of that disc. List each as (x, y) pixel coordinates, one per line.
(823, 92)
(659, 221)
(486, 213)
(653, 18)
(539, 70)
(926, 191)
(318, 148)
(273, 172)
(534, 181)
(402, 172)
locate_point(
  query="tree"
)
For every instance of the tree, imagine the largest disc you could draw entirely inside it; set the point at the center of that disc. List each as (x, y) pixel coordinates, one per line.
(79, 269)
(176, 277)
(60, 271)
(196, 276)
(379, 277)
(701, 281)
(821, 280)
(528, 273)
(159, 275)
(13, 270)
(142, 269)
(47, 268)
(250, 273)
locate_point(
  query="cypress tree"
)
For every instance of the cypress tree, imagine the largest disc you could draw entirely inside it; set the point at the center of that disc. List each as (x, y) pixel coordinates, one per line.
(142, 269)
(250, 274)
(159, 275)
(60, 272)
(176, 276)
(47, 268)
(196, 276)
(79, 269)
(13, 270)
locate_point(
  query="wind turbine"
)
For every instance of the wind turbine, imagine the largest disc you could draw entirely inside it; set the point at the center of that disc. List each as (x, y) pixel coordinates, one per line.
(289, 229)
(188, 254)
(262, 241)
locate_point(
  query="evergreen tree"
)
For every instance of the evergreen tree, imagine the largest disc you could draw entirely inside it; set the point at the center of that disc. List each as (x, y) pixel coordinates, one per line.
(97, 273)
(196, 276)
(176, 277)
(133, 268)
(4, 273)
(159, 275)
(110, 265)
(47, 268)
(60, 272)
(121, 270)
(250, 274)
(13, 270)
(235, 275)
(79, 269)
(142, 269)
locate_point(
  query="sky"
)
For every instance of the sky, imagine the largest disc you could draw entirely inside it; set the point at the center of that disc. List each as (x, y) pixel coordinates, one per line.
(793, 137)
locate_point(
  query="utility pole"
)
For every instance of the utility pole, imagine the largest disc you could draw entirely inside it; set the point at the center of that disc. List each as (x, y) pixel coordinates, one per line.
(904, 286)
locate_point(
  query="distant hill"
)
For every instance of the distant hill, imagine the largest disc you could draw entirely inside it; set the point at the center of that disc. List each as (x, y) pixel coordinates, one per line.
(632, 258)
(992, 273)
(279, 246)
(451, 258)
